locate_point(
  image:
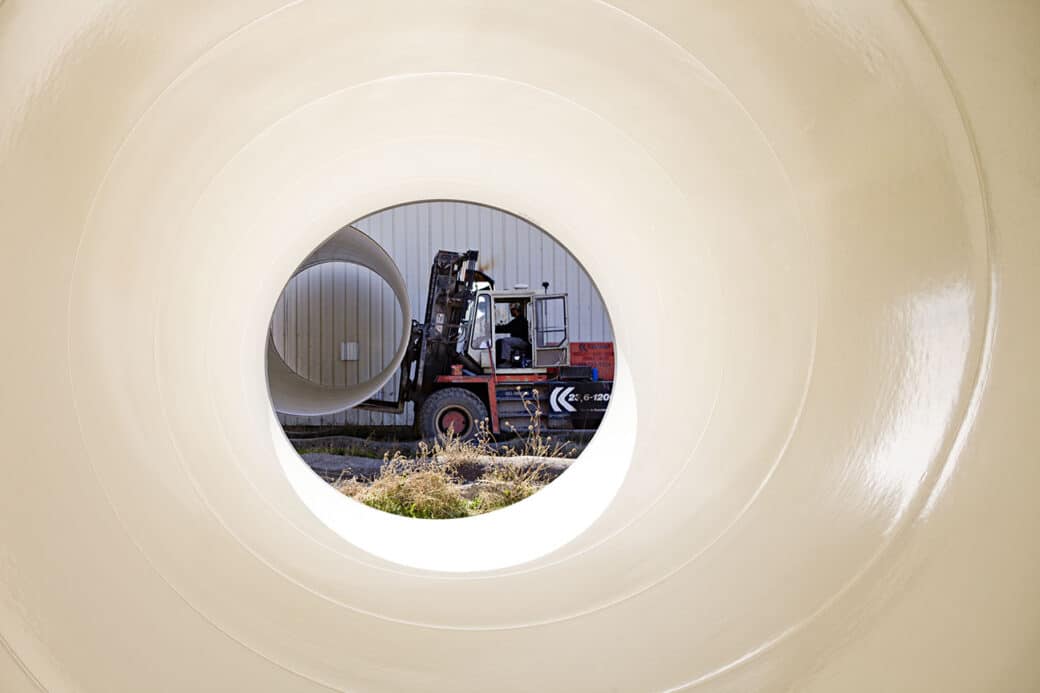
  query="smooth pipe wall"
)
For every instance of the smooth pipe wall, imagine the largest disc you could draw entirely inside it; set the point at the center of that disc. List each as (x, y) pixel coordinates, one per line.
(815, 233)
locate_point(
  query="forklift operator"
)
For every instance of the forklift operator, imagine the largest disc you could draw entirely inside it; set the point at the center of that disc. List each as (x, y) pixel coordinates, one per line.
(518, 331)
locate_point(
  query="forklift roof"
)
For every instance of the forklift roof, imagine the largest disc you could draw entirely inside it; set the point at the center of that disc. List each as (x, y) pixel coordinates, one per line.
(514, 294)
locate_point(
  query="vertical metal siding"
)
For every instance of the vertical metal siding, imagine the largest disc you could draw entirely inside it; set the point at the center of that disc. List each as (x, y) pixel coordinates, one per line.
(335, 303)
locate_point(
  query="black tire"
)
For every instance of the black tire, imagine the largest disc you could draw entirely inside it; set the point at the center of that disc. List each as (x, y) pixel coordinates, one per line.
(451, 407)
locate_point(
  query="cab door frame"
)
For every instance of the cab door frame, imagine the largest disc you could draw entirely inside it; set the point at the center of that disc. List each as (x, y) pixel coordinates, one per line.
(551, 334)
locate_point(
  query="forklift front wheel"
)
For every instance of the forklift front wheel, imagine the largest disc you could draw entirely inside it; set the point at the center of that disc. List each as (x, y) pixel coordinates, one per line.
(451, 409)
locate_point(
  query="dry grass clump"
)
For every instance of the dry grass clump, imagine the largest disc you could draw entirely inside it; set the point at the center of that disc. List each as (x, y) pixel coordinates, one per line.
(350, 487)
(505, 485)
(432, 484)
(428, 486)
(424, 487)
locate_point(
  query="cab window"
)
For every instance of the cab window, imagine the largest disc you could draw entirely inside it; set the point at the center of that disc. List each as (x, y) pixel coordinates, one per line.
(481, 334)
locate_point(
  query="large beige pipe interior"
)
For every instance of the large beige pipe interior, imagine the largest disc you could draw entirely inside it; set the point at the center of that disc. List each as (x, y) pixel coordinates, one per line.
(814, 223)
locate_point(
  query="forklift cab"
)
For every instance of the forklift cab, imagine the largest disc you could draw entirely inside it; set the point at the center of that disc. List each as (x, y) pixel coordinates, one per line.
(547, 343)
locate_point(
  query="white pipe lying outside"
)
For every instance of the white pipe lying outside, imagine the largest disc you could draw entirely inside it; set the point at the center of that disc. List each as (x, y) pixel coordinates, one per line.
(294, 394)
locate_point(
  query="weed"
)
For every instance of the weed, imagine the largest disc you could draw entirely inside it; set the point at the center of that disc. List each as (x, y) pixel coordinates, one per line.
(507, 484)
(431, 484)
(535, 443)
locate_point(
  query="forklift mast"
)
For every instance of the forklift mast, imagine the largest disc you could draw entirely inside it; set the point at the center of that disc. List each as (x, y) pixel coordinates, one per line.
(433, 345)
(451, 292)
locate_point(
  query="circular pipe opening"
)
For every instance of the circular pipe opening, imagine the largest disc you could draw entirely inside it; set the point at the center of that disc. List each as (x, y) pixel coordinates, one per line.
(531, 269)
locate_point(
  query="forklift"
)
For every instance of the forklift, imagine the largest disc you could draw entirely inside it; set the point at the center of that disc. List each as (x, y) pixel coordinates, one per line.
(459, 371)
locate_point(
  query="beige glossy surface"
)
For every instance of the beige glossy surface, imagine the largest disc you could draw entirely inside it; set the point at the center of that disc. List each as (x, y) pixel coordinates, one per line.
(832, 477)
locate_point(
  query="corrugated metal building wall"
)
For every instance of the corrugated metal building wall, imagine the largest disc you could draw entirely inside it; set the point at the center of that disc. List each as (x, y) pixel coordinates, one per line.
(337, 302)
